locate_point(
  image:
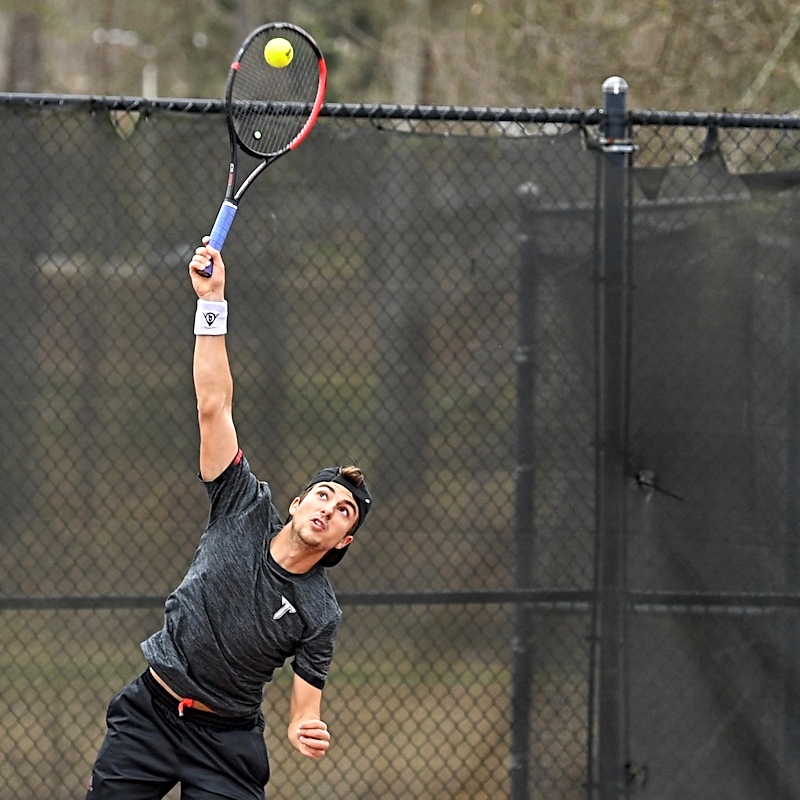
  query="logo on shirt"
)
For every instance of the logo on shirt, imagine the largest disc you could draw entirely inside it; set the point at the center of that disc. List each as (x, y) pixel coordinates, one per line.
(286, 608)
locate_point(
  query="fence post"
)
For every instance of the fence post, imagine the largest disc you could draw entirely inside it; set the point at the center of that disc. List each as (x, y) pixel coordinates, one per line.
(789, 758)
(612, 318)
(521, 636)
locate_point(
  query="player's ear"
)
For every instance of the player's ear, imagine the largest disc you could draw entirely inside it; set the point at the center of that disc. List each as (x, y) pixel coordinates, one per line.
(293, 505)
(344, 542)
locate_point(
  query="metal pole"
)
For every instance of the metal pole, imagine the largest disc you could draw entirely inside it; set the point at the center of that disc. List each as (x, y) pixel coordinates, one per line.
(521, 638)
(612, 288)
(789, 759)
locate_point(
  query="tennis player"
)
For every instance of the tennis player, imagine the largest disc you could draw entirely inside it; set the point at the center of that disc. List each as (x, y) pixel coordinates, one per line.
(255, 595)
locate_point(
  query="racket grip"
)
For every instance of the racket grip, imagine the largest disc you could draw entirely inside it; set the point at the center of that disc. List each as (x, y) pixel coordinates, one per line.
(222, 224)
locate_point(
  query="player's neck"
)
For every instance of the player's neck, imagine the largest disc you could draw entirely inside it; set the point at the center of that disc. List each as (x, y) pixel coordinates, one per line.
(291, 556)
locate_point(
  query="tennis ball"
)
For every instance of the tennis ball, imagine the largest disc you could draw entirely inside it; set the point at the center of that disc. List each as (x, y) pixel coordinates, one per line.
(278, 52)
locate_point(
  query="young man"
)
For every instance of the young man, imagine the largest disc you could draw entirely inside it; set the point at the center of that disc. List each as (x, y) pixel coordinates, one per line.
(256, 594)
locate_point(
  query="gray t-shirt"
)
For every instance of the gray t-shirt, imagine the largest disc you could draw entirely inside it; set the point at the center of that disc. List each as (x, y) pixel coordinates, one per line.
(238, 615)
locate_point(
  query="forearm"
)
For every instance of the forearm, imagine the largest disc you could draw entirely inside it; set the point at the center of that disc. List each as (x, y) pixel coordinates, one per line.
(213, 382)
(212, 375)
(307, 732)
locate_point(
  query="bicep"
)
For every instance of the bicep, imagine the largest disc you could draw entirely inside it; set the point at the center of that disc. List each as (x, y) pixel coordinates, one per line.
(218, 444)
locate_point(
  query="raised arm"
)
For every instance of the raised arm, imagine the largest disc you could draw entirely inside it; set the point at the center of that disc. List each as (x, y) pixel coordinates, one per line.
(213, 382)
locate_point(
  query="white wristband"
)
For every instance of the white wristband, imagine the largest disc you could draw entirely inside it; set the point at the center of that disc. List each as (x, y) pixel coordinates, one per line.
(211, 318)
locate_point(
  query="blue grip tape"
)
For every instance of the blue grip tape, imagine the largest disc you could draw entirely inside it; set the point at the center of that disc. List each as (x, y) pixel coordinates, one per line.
(222, 224)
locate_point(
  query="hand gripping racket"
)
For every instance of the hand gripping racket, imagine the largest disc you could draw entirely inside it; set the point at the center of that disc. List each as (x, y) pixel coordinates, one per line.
(270, 109)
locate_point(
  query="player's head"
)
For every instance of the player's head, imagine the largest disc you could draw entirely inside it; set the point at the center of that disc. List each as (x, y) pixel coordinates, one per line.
(352, 479)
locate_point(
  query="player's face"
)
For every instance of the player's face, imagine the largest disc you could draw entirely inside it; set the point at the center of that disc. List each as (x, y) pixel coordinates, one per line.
(325, 516)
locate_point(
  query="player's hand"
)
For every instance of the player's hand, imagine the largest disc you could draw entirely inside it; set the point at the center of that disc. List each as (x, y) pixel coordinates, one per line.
(310, 737)
(212, 288)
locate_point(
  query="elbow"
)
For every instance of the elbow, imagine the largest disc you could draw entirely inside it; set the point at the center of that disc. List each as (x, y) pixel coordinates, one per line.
(213, 407)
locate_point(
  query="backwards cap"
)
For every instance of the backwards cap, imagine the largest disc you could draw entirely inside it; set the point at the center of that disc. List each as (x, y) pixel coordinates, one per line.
(363, 500)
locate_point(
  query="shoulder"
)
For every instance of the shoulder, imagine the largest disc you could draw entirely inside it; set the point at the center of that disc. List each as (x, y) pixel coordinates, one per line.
(236, 489)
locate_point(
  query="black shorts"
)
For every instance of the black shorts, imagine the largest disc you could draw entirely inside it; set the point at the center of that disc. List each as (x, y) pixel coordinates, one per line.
(149, 748)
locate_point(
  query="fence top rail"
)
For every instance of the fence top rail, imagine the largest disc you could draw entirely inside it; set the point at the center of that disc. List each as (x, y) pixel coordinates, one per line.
(593, 116)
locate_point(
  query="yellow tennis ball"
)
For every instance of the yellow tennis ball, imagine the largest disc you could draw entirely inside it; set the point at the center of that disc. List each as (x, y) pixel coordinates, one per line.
(279, 52)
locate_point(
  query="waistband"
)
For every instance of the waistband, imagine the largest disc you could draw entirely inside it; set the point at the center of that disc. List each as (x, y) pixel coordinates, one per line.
(180, 711)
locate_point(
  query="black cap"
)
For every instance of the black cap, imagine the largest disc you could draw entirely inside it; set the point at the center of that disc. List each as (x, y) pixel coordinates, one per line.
(363, 500)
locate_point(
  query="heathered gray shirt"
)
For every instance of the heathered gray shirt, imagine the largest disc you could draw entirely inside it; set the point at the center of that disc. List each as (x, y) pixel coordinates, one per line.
(238, 615)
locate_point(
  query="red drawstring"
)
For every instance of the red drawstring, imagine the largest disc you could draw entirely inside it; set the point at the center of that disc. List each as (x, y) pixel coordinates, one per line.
(187, 702)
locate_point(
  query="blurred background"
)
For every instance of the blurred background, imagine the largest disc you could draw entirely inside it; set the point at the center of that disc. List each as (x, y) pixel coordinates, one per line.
(502, 637)
(684, 54)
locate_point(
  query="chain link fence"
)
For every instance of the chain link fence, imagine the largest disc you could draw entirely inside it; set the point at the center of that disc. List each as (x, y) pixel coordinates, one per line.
(430, 292)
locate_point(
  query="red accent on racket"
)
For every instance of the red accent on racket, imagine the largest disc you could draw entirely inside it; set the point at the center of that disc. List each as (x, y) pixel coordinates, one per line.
(270, 110)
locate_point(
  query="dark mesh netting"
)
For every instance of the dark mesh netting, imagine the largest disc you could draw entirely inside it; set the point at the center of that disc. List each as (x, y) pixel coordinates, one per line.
(422, 295)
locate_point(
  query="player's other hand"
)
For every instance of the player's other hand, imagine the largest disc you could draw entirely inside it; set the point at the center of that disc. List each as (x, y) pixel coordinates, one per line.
(211, 288)
(310, 737)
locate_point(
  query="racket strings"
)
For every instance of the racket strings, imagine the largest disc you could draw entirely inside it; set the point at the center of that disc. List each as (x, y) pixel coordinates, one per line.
(270, 106)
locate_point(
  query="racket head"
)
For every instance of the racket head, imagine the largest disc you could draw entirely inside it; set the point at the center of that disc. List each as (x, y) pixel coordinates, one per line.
(270, 109)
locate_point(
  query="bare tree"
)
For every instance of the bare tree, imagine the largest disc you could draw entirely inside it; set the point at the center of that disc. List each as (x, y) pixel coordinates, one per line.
(680, 55)
(24, 55)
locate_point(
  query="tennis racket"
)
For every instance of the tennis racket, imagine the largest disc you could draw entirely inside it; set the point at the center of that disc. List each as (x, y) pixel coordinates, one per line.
(270, 109)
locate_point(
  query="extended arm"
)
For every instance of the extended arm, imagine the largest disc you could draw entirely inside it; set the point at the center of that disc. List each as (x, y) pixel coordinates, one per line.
(307, 732)
(212, 374)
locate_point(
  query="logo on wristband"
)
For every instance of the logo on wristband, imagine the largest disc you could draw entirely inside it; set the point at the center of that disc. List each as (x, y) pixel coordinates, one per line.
(211, 318)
